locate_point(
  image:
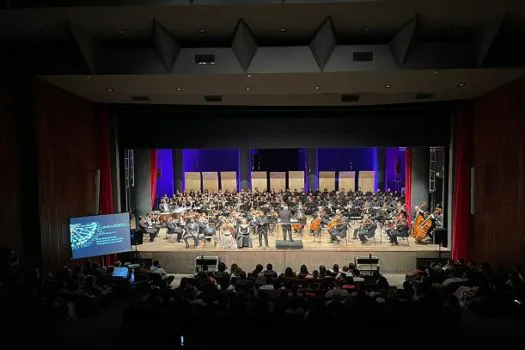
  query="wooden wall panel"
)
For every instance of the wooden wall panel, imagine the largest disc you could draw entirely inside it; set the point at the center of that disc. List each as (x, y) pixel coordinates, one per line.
(229, 181)
(67, 143)
(10, 194)
(210, 181)
(260, 180)
(278, 180)
(347, 181)
(296, 180)
(327, 180)
(192, 181)
(366, 181)
(498, 232)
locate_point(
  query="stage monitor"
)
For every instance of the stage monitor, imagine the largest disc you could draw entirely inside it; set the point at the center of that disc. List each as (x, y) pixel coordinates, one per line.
(98, 235)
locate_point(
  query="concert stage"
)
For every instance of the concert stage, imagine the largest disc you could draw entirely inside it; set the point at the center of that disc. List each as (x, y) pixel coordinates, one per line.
(175, 258)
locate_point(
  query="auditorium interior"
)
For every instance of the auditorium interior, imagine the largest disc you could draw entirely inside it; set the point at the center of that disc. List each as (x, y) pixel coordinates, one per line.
(283, 164)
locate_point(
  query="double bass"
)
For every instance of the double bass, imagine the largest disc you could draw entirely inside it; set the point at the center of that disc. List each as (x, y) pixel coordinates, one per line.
(418, 220)
(421, 231)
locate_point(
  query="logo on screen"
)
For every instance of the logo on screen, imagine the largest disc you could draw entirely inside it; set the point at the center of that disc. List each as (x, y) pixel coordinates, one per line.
(83, 235)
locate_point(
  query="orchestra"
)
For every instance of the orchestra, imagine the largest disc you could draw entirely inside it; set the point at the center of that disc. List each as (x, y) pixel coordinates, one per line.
(230, 219)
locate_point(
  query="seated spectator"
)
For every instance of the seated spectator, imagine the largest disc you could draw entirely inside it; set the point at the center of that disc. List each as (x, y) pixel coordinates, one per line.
(454, 277)
(157, 269)
(258, 271)
(268, 285)
(303, 272)
(288, 273)
(221, 271)
(269, 272)
(357, 276)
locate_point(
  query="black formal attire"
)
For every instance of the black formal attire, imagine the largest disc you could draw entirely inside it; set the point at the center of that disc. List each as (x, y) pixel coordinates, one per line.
(243, 237)
(401, 230)
(262, 229)
(338, 232)
(286, 216)
(192, 232)
(366, 232)
(149, 229)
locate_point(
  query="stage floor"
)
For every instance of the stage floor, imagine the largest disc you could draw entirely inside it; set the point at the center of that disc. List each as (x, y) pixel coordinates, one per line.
(174, 257)
(161, 244)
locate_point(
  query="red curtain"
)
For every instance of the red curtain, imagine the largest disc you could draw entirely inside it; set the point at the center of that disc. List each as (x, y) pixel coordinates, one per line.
(408, 182)
(153, 170)
(461, 207)
(106, 191)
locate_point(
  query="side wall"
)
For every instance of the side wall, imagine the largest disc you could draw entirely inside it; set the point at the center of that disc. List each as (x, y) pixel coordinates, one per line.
(498, 233)
(68, 154)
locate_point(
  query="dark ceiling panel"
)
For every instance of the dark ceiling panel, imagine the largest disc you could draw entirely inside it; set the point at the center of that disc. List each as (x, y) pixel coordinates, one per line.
(283, 129)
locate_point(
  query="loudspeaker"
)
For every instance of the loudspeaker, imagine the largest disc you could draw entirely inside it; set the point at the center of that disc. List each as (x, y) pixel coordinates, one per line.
(280, 244)
(211, 263)
(441, 237)
(367, 264)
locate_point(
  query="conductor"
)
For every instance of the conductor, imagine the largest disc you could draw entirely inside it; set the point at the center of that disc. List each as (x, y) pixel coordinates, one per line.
(285, 217)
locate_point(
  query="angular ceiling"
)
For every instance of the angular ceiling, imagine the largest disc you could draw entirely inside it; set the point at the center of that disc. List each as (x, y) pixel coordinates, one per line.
(269, 52)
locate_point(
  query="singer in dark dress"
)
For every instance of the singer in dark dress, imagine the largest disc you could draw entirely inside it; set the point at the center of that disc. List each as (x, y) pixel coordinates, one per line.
(286, 216)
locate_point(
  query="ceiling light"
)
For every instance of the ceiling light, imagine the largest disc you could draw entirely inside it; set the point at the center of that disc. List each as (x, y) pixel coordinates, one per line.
(388, 86)
(247, 88)
(201, 31)
(249, 75)
(283, 30)
(364, 29)
(179, 89)
(435, 72)
(109, 89)
(317, 87)
(461, 84)
(120, 32)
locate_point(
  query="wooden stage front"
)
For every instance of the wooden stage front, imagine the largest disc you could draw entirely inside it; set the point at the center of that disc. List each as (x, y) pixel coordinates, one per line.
(393, 259)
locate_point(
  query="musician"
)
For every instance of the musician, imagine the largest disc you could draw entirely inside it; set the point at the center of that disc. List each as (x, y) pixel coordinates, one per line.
(285, 217)
(164, 205)
(174, 229)
(400, 227)
(192, 229)
(147, 226)
(243, 235)
(367, 230)
(338, 230)
(262, 228)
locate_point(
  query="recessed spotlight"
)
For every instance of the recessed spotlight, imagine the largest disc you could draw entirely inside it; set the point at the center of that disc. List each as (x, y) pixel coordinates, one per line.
(247, 88)
(461, 84)
(179, 89)
(317, 87)
(109, 89)
(120, 32)
(201, 31)
(388, 86)
(249, 75)
(283, 30)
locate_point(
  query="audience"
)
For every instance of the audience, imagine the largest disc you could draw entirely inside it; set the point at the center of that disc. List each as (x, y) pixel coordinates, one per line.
(432, 296)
